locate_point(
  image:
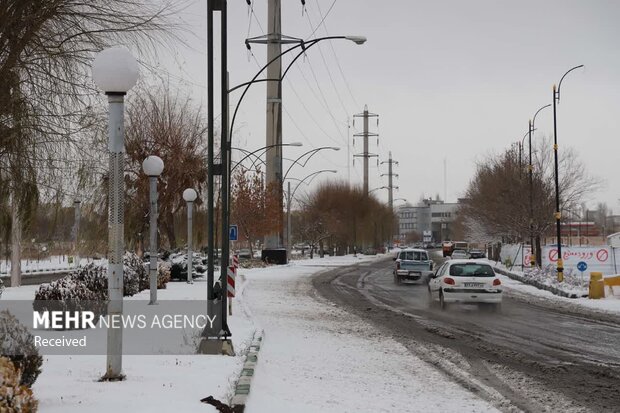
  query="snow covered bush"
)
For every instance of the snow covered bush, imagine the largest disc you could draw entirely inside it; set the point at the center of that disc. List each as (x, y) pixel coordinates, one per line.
(163, 276)
(17, 344)
(90, 283)
(14, 396)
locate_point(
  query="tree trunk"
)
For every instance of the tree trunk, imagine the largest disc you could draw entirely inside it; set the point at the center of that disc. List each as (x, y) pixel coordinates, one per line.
(172, 239)
(16, 240)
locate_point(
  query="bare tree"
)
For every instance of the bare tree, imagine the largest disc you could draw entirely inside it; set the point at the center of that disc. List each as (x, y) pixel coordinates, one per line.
(497, 199)
(46, 47)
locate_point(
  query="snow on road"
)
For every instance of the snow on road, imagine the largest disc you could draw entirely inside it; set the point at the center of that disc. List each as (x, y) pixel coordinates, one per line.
(318, 358)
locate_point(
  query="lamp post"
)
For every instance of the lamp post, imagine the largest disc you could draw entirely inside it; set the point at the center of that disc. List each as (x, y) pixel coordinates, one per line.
(277, 158)
(189, 195)
(530, 169)
(76, 235)
(289, 199)
(253, 153)
(558, 214)
(153, 166)
(115, 71)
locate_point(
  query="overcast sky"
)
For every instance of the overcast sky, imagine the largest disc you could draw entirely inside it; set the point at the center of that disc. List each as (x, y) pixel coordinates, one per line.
(453, 80)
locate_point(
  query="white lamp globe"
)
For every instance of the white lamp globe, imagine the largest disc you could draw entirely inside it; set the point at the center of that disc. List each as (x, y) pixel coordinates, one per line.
(189, 195)
(115, 70)
(153, 165)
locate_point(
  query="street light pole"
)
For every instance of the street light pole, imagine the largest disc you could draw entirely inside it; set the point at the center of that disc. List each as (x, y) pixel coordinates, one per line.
(530, 171)
(115, 71)
(558, 214)
(76, 235)
(190, 195)
(289, 200)
(153, 166)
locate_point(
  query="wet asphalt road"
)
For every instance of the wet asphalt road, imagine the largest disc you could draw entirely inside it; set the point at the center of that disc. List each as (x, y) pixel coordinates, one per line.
(528, 357)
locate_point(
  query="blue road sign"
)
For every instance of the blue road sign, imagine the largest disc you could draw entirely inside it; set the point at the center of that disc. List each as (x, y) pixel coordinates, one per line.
(582, 266)
(233, 233)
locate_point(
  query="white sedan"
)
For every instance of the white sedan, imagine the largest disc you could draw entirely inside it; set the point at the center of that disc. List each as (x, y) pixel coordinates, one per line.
(465, 281)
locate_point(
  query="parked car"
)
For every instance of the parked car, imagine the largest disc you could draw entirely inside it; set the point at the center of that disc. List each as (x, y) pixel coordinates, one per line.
(465, 281)
(459, 254)
(412, 264)
(475, 254)
(244, 253)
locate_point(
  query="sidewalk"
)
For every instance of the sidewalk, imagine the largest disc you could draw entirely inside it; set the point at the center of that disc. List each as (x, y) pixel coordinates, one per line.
(318, 358)
(155, 383)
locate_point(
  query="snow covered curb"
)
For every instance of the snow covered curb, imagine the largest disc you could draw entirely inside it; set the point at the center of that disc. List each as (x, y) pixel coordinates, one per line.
(242, 387)
(535, 283)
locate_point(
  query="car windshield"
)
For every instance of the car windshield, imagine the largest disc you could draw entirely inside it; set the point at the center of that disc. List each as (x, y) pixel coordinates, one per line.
(471, 270)
(413, 255)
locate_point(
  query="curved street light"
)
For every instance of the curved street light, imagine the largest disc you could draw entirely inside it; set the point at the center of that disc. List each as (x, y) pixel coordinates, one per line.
(381, 187)
(288, 204)
(530, 169)
(558, 214)
(304, 46)
(311, 153)
(258, 150)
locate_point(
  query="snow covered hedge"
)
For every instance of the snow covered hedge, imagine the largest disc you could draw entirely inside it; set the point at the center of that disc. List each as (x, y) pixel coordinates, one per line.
(90, 283)
(17, 344)
(14, 396)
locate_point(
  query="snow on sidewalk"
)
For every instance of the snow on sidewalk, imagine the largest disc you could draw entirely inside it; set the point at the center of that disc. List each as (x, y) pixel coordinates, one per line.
(609, 304)
(155, 383)
(318, 358)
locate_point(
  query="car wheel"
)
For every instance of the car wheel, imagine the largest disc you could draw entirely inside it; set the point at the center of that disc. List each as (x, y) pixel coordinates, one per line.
(442, 302)
(396, 279)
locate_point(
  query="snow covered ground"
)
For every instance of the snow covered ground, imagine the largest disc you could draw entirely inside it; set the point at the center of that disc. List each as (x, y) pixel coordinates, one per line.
(318, 358)
(610, 304)
(155, 383)
(314, 357)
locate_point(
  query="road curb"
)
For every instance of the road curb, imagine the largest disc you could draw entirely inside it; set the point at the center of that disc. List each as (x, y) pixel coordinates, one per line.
(243, 385)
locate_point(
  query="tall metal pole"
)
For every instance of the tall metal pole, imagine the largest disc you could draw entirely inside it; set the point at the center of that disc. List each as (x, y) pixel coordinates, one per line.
(558, 214)
(116, 221)
(366, 150)
(288, 221)
(531, 184)
(274, 114)
(76, 235)
(190, 252)
(153, 240)
(210, 163)
(225, 145)
(348, 151)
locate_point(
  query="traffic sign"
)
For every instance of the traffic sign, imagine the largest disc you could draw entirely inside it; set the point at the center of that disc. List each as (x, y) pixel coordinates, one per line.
(233, 233)
(582, 266)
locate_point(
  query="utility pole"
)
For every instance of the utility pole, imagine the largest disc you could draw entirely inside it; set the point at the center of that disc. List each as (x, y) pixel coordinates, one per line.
(391, 187)
(365, 134)
(274, 39)
(274, 113)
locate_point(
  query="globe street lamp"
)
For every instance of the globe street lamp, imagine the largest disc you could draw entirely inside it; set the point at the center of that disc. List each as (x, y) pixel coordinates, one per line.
(115, 71)
(558, 214)
(189, 195)
(153, 166)
(289, 199)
